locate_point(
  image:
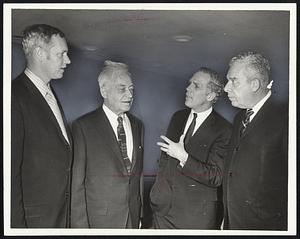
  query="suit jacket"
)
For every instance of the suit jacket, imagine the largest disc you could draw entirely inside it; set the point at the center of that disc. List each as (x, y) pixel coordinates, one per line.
(255, 188)
(187, 197)
(40, 161)
(103, 194)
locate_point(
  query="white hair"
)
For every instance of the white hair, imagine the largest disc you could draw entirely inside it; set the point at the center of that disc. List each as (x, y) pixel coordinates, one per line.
(111, 71)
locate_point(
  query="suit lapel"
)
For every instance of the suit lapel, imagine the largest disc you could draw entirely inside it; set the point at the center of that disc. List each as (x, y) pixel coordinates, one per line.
(135, 137)
(103, 125)
(258, 118)
(43, 105)
(64, 120)
(182, 123)
(204, 129)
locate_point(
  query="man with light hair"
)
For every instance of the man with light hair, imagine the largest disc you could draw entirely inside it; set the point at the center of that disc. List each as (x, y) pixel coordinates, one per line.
(256, 174)
(107, 186)
(41, 145)
(185, 193)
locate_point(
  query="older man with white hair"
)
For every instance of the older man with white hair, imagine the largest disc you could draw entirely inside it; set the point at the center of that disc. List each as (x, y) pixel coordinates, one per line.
(107, 186)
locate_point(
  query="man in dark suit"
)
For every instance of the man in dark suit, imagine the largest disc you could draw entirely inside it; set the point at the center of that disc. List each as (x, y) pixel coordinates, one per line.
(107, 185)
(255, 187)
(185, 193)
(41, 152)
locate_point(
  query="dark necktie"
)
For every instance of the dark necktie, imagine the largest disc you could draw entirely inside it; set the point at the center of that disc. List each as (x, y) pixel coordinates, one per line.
(246, 120)
(189, 132)
(122, 143)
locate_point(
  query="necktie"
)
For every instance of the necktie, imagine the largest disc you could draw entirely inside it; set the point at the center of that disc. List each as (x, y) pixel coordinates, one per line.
(50, 98)
(246, 120)
(189, 132)
(122, 143)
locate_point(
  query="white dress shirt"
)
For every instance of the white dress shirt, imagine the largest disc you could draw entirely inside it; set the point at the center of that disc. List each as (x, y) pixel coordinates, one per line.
(257, 107)
(113, 120)
(199, 120)
(47, 93)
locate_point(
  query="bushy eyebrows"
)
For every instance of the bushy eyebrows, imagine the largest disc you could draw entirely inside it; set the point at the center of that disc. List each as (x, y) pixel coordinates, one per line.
(123, 85)
(195, 82)
(231, 77)
(192, 80)
(60, 51)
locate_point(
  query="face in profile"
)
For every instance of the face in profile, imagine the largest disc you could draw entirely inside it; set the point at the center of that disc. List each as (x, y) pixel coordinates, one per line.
(238, 86)
(56, 59)
(118, 94)
(198, 94)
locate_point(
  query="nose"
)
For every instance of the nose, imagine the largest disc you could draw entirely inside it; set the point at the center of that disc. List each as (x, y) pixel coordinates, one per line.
(227, 87)
(188, 88)
(67, 59)
(130, 93)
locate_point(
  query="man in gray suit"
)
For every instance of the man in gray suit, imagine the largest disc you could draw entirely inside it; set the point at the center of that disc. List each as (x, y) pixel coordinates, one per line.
(107, 184)
(41, 146)
(185, 193)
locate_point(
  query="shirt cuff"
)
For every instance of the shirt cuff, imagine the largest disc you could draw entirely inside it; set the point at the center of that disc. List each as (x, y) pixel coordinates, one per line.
(182, 163)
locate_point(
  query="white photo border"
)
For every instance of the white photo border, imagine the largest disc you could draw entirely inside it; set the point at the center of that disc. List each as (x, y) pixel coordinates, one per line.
(7, 57)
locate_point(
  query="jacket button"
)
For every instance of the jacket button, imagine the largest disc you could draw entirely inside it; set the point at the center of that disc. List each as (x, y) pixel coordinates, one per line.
(230, 174)
(236, 148)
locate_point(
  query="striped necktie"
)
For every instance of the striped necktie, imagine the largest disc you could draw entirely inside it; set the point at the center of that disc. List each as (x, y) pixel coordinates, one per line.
(246, 120)
(122, 143)
(189, 132)
(50, 98)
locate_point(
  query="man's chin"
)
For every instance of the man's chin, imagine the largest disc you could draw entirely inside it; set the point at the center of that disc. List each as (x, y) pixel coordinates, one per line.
(57, 77)
(187, 104)
(126, 108)
(236, 105)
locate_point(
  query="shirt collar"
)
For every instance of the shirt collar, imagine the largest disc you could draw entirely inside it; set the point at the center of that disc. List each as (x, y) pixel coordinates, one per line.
(203, 113)
(111, 115)
(37, 81)
(257, 107)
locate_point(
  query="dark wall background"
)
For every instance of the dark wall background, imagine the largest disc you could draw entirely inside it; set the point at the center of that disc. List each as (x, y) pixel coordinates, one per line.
(157, 96)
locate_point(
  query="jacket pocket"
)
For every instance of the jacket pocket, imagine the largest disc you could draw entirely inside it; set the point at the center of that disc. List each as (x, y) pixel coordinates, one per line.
(161, 197)
(98, 210)
(33, 215)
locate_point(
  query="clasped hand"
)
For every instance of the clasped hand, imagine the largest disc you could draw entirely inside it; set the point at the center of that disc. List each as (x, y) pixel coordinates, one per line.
(175, 150)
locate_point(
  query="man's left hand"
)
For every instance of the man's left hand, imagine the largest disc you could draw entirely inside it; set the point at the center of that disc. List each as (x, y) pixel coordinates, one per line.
(175, 150)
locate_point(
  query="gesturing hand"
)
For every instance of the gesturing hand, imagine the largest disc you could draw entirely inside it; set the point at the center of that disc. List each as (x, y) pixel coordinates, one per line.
(175, 150)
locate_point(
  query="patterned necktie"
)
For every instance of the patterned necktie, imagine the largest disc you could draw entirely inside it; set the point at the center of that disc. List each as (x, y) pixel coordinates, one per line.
(122, 143)
(246, 120)
(50, 98)
(189, 132)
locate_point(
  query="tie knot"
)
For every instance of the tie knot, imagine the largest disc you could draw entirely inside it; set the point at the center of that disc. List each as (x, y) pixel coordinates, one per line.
(49, 95)
(120, 119)
(249, 112)
(195, 115)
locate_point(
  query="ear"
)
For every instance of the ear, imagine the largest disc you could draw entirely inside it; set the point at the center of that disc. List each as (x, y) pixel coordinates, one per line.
(103, 91)
(255, 84)
(210, 96)
(39, 53)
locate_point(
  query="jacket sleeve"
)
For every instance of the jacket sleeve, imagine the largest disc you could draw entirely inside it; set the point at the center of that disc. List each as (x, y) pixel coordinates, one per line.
(17, 148)
(79, 216)
(142, 175)
(209, 170)
(163, 156)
